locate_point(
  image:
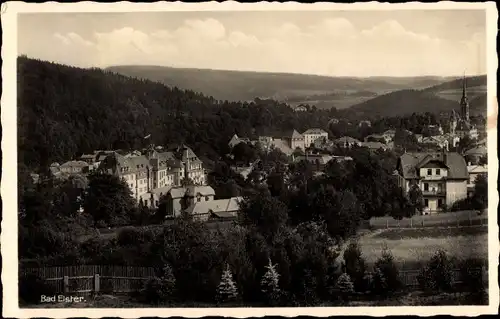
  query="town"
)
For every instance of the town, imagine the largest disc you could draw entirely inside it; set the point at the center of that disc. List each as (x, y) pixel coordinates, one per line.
(252, 160)
(443, 176)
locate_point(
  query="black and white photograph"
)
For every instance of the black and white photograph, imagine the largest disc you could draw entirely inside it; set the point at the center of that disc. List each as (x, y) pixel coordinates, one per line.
(222, 156)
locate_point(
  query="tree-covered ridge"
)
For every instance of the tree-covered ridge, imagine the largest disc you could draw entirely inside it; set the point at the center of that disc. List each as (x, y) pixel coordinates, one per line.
(65, 110)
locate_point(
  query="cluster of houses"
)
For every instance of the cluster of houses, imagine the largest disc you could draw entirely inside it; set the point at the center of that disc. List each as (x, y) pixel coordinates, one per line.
(175, 175)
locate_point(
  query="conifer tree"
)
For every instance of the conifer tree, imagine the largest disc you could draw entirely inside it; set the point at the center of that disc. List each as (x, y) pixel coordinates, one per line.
(344, 286)
(270, 284)
(227, 290)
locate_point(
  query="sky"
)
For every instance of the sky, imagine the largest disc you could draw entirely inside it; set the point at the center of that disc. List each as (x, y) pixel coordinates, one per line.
(333, 43)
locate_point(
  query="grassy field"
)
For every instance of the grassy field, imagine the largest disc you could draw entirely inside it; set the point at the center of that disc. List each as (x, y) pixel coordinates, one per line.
(461, 218)
(412, 247)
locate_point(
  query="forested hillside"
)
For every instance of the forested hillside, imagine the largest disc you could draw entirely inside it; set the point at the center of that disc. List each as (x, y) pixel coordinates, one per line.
(64, 110)
(245, 86)
(404, 102)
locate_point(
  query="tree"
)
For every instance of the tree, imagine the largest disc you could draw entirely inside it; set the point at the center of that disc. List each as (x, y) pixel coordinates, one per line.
(480, 194)
(483, 160)
(160, 289)
(108, 199)
(244, 152)
(355, 266)
(415, 199)
(270, 285)
(186, 181)
(385, 279)
(344, 286)
(437, 275)
(268, 214)
(227, 291)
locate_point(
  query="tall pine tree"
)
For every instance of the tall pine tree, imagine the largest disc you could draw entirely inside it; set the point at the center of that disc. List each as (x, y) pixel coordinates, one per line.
(270, 284)
(227, 290)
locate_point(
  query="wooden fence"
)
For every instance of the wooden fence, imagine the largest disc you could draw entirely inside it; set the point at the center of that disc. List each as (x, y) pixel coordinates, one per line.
(88, 279)
(126, 279)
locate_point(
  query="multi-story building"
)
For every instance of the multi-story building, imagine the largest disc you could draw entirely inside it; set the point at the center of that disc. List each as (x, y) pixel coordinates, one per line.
(295, 140)
(312, 135)
(442, 177)
(474, 172)
(179, 199)
(135, 171)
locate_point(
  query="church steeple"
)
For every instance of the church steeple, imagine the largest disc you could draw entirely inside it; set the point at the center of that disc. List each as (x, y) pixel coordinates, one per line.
(464, 102)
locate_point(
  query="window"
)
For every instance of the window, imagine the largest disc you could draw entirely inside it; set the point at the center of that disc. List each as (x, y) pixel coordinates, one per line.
(199, 199)
(440, 203)
(426, 202)
(207, 198)
(438, 171)
(426, 187)
(429, 171)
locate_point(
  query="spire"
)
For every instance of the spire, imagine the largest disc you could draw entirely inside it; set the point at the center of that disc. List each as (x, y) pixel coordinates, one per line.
(464, 87)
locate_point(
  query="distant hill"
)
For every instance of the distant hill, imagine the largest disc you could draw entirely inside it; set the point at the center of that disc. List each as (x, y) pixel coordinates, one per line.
(246, 86)
(442, 97)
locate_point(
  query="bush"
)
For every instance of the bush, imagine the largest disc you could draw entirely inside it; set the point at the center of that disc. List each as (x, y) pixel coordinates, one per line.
(32, 287)
(355, 267)
(437, 275)
(385, 279)
(159, 290)
(471, 277)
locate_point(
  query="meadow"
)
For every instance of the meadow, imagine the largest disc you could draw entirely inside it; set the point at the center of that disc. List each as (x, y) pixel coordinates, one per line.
(412, 248)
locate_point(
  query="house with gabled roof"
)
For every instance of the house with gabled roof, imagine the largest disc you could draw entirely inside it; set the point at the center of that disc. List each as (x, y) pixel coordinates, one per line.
(295, 140)
(180, 198)
(441, 176)
(219, 209)
(312, 135)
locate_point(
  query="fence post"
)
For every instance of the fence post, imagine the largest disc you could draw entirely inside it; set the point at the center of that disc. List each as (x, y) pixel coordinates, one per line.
(66, 284)
(97, 284)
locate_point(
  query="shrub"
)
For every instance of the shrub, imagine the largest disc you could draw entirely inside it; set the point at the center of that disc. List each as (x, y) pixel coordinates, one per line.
(128, 236)
(344, 286)
(385, 279)
(471, 276)
(355, 267)
(32, 287)
(159, 290)
(437, 275)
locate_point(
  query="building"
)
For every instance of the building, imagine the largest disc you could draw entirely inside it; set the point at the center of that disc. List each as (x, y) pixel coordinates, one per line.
(460, 124)
(235, 140)
(474, 154)
(300, 108)
(474, 172)
(219, 209)
(442, 177)
(74, 167)
(389, 135)
(320, 160)
(378, 138)
(365, 123)
(193, 166)
(347, 142)
(433, 130)
(135, 171)
(313, 134)
(435, 143)
(295, 140)
(374, 146)
(179, 199)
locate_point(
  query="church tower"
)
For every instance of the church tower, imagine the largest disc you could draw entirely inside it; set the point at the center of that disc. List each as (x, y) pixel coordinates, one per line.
(464, 103)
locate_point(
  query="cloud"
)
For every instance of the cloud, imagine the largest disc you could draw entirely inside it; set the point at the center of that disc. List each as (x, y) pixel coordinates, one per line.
(331, 46)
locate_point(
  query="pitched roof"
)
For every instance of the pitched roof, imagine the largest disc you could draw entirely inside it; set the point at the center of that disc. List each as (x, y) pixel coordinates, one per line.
(477, 150)
(179, 192)
(347, 139)
(296, 134)
(282, 146)
(409, 162)
(75, 164)
(215, 206)
(477, 169)
(314, 131)
(374, 145)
